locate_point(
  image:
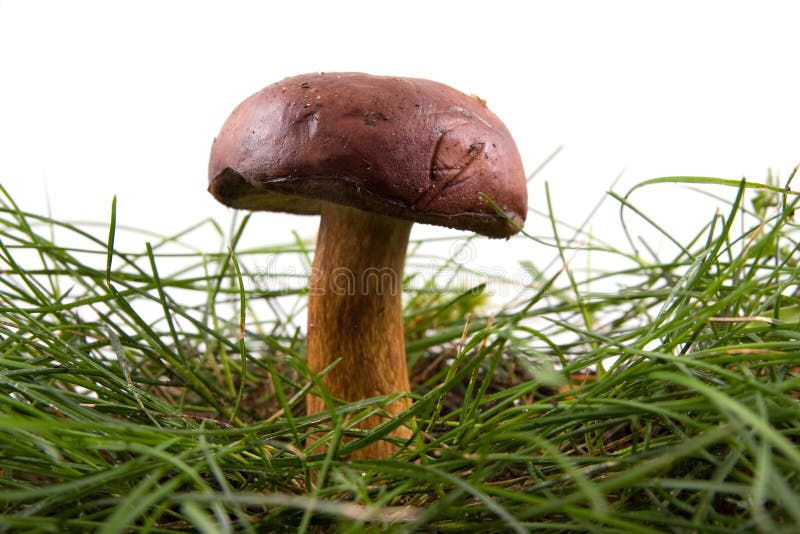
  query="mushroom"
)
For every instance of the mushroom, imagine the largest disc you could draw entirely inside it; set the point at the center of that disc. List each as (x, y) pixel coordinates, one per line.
(371, 155)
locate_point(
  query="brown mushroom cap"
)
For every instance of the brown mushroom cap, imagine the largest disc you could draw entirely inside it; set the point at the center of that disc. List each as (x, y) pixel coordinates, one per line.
(404, 147)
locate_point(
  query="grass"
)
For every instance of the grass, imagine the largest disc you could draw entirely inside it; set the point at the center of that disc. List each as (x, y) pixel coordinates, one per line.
(161, 389)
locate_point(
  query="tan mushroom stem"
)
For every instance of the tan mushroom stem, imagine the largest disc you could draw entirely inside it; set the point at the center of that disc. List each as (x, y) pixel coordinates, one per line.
(355, 313)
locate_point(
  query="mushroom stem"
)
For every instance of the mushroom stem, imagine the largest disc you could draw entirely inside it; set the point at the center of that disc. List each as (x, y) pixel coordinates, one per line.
(355, 313)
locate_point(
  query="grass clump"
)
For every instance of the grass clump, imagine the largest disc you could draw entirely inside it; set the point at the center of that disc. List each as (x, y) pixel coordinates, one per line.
(162, 390)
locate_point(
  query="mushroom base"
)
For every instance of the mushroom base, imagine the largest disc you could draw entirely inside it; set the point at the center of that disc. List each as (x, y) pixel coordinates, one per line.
(355, 314)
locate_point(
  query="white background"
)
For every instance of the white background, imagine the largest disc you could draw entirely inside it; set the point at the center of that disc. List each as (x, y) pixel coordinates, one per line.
(105, 98)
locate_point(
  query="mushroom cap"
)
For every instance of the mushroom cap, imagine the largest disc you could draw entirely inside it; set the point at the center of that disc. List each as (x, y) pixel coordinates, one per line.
(404, 147)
